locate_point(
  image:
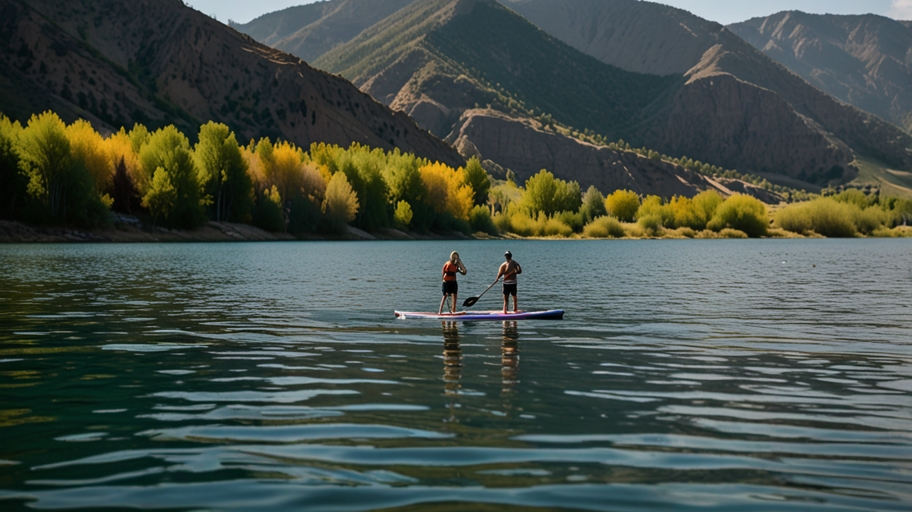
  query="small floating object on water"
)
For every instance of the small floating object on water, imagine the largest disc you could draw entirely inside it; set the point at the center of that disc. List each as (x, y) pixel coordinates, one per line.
(465, 316)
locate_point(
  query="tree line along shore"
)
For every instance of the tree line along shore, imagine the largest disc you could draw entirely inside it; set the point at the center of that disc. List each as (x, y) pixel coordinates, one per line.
(54, 174)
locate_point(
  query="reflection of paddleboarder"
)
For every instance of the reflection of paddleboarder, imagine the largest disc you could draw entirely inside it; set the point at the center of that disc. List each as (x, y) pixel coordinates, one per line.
(509, 270)
(452, 360)
(509, 356)
(450, 287)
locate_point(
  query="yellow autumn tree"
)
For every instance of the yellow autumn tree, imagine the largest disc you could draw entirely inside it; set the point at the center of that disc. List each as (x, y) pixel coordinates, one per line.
(87, 148)
(447, 190)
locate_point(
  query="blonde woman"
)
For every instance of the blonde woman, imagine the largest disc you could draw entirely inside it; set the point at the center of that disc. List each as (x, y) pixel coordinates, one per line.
(450, 287)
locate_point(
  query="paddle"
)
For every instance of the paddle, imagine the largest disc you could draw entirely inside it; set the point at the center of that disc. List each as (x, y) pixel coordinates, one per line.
(472, 300)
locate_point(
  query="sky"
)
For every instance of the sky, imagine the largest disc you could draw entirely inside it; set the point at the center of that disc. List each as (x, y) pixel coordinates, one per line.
(722, 11)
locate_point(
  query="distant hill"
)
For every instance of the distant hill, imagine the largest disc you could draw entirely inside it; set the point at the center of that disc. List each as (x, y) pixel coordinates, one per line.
(309, 31)
(275, 26)
(736, 107)
(696, 89)
(862, 60)
(160, 62)
(458, 65)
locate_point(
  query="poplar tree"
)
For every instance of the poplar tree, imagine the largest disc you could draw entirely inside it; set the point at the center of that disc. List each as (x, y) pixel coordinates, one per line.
(174, 193)
(223, 173)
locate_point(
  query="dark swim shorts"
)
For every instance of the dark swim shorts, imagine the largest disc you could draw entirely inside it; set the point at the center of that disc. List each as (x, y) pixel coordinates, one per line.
(509, 289)
(450, 287)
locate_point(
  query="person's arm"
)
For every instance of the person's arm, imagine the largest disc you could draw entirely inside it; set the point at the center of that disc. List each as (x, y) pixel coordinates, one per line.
(500, 272)
(462, 269)
(443, 271)
(518, 268)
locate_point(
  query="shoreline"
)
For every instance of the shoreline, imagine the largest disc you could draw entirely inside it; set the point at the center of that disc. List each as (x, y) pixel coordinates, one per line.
(15, 232)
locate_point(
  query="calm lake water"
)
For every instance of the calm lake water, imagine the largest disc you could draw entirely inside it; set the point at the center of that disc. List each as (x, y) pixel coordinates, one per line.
(712, 375)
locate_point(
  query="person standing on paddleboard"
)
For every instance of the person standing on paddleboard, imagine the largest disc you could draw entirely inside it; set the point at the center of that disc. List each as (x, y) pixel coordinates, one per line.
(450, 287)
(509, 270)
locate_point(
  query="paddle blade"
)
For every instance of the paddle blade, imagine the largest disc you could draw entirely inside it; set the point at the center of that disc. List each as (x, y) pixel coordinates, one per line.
(470, 302)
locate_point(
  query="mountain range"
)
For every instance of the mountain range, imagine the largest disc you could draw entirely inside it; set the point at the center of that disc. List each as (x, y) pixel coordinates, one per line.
(648, 73)
(159, 62)
(523, 84)
(863, 60)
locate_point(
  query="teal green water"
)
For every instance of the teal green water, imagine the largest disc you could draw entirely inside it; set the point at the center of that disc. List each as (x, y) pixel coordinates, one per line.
(712, 375)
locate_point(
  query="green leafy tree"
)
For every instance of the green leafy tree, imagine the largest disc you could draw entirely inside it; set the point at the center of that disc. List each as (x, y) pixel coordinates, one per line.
(623, 204)
(268, 212)
(654, 215)
(403, 215)
(593, 205)
(58, 180)
(13, 183)
(477, 178)
(549, 195)
(44, 150)
(706, 203)
(161, 198)
(341, 203)
(223, 173)
(363, 168)
(174, 193)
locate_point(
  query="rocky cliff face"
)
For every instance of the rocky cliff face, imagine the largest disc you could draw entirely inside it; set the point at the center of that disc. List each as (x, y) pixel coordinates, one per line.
(493, 135)
(865, 60)
(159, 62)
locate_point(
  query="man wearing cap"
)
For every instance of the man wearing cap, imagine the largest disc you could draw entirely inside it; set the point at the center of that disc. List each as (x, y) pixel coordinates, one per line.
(450, 286)
(509, 270)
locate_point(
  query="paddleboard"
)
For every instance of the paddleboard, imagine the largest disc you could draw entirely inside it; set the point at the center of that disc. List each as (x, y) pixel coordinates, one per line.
(475, 316)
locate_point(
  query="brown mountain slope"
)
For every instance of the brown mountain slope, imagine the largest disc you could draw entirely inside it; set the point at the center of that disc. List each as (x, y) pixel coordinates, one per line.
(321, 26)
(862, 60)
(493, 135)
(737, 107)
(159, 62)
(278, 25)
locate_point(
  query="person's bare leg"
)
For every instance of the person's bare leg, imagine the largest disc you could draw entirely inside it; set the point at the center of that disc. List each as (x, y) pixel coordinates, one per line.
(515, 305)
(442, 302)
(453, 308)
(506, 302)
